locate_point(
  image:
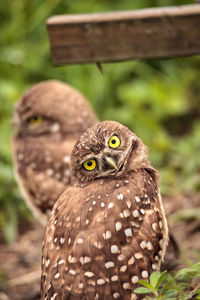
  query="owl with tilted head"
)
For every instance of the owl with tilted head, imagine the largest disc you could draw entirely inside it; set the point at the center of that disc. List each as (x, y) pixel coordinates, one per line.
(47, 121)
(108, 230)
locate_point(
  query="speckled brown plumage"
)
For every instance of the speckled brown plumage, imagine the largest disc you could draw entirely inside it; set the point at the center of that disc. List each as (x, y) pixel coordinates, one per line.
(41, 150)
(108, 230)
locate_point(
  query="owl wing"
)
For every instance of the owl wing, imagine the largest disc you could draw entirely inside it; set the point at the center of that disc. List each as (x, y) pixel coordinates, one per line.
(43, 175)
(102, 239)
(41, 192)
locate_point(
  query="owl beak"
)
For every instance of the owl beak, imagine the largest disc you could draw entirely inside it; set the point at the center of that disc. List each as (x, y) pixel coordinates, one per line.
(111, 162)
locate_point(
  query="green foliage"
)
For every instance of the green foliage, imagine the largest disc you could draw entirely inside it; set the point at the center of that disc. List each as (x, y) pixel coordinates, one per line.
(184, 285)
(188, 215)
(158, 99)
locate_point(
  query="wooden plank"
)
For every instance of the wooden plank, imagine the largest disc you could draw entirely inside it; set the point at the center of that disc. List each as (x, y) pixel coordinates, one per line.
(118, 36)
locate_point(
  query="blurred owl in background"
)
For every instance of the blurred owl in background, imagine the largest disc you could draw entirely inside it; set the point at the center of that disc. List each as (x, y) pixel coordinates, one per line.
(47, 121)
(108, 230)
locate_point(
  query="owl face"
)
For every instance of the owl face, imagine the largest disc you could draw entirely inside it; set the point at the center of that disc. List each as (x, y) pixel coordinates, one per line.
(35, 124)
(52, 107)
(107, 149)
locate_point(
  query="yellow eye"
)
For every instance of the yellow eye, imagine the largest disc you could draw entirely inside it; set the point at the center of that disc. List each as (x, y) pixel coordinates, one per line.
(114, 142)
(90, 164)
(35, 120)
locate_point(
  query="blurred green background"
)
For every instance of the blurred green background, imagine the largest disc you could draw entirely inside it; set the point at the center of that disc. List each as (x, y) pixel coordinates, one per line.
(158, 99)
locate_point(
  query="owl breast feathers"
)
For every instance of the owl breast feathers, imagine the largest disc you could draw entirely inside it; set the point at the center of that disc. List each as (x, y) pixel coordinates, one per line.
(108, 231)
(47, 122)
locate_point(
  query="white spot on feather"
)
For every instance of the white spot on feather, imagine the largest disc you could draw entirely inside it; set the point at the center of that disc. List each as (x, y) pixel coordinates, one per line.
(120, 196)
(114, 278)
(71, 271)
(109, 264)
(128, 203)
(137, 199)
(89, 274)
(84, 260)
(121, 257)
(20, 156)
(121, 215)
(118, 226)
(138, 255)
(126, 286)
(61, 261)
(123, 268)
(107, 235)
(57, 275)
(67, 172)
(114, 249)
(100, 281)
(98, 245)
(110, 205)
(126, 213)
(154, 226)
(149, 246)
(116, 295)
(128, 232)
(66, 159)
(142, 211)
(55, 127)
(49, 172)
(145, 274)
(47, 262)
(134, 279)
(135, 213)
(143, 244)
(79, 241)
(62, 240)
(131, 261)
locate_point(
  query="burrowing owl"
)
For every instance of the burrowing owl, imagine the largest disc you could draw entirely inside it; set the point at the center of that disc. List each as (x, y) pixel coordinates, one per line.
(108, 230)
(47, 122)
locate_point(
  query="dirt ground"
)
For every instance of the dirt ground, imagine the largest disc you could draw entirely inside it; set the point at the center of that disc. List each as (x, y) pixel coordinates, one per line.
(20, 262)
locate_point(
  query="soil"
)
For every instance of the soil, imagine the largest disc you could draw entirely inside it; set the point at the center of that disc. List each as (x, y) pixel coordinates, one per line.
(20, 262)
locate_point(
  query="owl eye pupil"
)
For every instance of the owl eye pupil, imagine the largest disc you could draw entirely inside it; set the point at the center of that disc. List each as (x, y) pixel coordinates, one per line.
(114, 142)
(89, 163)
(35, 118)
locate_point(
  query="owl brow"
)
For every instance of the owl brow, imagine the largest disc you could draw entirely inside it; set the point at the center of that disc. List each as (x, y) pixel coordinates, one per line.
(26, 114)
(40, 115)
(112, 134)
(100, 132)
(89, 157)
(22, 109)
(81, 142)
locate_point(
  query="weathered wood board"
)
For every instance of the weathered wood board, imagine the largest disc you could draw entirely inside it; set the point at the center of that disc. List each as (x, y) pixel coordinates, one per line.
(125, 35)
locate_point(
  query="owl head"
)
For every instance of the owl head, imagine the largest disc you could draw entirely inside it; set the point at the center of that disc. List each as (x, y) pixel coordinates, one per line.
(107, 149)
(52, 107)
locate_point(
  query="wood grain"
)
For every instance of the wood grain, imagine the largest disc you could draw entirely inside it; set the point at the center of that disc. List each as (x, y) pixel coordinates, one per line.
(118, 36)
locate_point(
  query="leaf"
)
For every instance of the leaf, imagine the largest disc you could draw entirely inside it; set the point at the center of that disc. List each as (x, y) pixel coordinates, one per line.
(186, 215)
(161, 278)
(191, 270)
(170, 293)
(154, 277)
(142, 290)
(146, 284)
